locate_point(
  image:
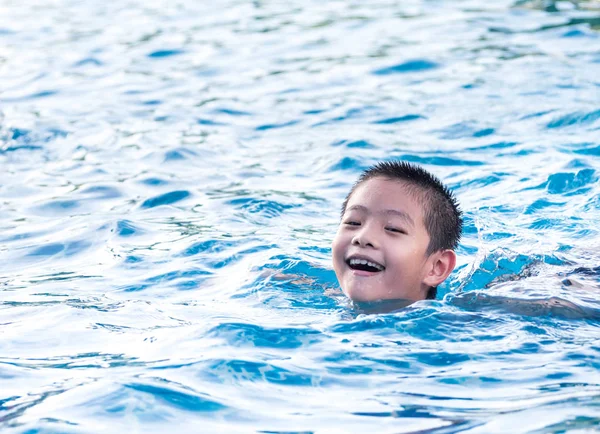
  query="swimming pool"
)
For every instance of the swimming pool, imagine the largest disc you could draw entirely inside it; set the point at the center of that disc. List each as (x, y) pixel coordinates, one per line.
(164, 163)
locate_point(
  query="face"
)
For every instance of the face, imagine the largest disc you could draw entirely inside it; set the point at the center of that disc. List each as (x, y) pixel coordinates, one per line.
(379, 251)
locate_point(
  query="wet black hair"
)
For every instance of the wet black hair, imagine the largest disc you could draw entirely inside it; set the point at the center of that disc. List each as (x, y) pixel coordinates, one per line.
(441, 214)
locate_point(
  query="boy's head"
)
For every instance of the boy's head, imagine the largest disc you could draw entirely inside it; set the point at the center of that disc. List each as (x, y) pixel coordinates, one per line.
(400, 226)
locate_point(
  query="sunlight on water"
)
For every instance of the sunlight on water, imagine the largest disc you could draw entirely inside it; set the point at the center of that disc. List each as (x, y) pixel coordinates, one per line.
(171, 181)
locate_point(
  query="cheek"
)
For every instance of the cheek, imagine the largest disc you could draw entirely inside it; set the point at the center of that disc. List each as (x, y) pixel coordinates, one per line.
(336, 245)
(403, 262)
(339, 239)
(337, 255)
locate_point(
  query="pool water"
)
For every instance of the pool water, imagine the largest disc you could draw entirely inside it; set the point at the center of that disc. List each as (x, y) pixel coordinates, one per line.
(171, 178)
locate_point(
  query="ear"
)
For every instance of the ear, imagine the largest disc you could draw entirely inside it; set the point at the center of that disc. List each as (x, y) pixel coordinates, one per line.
(439, 266)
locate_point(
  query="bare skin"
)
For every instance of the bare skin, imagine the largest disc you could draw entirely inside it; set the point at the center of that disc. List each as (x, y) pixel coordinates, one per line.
(380, 249)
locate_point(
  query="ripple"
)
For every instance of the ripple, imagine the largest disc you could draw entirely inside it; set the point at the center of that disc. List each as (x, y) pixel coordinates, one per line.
(179, 154)
(497, 145)
(164, 53)
(275, 126)
(231, 112)
(571, 183)
(500, 265)
(542, 204)
(177, 396)
(400, 119)
(88, 61)
(186, 279)
(238, 334)
(360, 144)
(577, 118)
(27, 139)
(439, 161)
(545, 307)
(440, 358)
(352, 113)
(209, 122)
(154, 181)
(349, 164)
(465, 129)
(125, 228)
(416, 65)
(483, 181)
(227, 371)
(166, 199)
(8, 149)
(266, 208)
(210, 246)
(59, 206)
(588, 150)
(100, 192)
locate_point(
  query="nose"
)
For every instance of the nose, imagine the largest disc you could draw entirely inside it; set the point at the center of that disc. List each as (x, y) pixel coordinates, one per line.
(364, 237)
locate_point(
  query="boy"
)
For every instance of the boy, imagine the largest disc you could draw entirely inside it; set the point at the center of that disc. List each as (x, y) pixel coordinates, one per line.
(396, 240)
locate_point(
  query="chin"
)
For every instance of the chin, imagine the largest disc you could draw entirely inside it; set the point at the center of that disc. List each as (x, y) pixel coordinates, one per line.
(368, 295)
(357, 294)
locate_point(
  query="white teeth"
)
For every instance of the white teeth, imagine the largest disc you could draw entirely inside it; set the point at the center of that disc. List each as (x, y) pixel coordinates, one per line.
(365, 262)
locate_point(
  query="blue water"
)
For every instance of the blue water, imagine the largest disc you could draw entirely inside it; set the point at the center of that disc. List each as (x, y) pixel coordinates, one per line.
(171, 177)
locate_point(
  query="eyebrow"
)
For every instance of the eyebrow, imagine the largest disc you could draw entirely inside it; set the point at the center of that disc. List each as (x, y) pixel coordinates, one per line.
(393, 212)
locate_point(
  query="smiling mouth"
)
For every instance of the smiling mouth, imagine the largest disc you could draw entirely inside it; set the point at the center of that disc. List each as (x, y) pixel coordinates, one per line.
(364, 265)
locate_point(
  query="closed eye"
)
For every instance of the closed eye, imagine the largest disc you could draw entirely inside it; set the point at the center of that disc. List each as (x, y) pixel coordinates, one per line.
(396, 230)
(352, 223)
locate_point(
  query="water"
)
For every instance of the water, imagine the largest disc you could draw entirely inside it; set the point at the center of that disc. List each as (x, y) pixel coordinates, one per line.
(171, 179)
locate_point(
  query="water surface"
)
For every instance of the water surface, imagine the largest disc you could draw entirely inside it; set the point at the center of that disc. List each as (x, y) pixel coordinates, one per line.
(171, 177)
